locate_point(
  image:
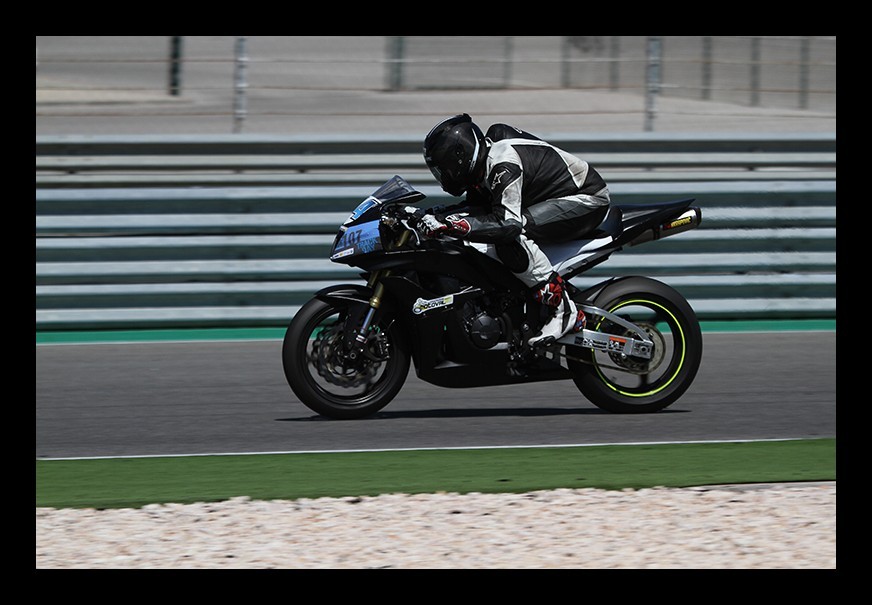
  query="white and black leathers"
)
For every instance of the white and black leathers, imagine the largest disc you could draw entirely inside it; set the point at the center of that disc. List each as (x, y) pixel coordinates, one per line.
(531, 191)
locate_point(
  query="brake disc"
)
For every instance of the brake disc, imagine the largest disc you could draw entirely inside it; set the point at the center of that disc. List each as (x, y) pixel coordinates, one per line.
(329, 358)
(636, 364)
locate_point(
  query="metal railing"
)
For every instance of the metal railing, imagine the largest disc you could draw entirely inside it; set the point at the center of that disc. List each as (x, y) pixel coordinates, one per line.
(147, 232)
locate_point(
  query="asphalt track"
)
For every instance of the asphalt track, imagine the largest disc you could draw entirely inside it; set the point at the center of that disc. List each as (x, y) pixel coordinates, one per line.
(175, 398)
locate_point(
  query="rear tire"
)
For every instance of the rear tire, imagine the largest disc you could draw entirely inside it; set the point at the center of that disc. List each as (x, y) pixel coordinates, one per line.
(324, 379)
(635, 385)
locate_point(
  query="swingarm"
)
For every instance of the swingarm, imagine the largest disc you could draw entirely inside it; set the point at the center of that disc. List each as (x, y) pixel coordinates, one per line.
(638, 345)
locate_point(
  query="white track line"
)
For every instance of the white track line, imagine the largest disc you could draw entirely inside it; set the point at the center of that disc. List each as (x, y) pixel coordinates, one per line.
(427, 449)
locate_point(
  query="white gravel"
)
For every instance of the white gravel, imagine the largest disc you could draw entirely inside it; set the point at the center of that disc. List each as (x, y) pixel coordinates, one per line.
(776, 526)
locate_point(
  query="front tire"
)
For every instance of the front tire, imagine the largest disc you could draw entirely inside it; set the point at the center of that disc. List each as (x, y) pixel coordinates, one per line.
(325, 379)
(633, 385)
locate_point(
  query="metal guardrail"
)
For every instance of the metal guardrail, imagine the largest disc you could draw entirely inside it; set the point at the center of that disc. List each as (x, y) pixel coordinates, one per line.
(247, 160)
(146, 232)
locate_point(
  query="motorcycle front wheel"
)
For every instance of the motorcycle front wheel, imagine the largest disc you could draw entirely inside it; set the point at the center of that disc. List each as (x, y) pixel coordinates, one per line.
(329, 380)
(625, 384)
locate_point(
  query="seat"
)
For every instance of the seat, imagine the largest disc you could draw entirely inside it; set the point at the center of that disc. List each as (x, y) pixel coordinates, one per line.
(610, 225)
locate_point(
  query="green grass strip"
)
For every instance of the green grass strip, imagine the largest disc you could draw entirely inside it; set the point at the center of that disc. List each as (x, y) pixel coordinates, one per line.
(134, 482)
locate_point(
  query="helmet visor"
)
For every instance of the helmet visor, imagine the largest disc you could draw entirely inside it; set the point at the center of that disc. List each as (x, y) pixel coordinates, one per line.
(435, 171)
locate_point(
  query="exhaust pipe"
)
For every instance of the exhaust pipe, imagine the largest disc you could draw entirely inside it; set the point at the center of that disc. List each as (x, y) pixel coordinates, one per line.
(687, 220)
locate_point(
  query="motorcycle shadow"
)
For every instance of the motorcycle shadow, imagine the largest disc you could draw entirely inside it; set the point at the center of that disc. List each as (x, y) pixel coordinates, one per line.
(529, 412)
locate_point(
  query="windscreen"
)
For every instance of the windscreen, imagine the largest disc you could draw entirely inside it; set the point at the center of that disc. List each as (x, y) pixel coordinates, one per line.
(397, 189)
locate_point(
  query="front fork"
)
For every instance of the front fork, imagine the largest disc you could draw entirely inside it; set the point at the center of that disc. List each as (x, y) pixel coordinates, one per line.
(378, 288)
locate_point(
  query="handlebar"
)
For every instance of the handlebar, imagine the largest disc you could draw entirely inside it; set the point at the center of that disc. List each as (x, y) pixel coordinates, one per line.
(407, 217)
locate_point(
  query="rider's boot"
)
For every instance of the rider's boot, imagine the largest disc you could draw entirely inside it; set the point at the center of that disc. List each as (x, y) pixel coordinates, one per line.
(553, 295)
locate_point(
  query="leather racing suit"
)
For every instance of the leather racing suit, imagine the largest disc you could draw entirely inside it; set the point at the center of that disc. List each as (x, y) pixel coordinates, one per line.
(532, 192)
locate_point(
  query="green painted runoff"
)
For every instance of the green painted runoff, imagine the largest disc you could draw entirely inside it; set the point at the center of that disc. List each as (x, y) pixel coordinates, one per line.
(277, 333)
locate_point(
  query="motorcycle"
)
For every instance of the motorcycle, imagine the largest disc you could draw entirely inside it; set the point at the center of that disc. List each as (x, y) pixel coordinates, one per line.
(464, 319)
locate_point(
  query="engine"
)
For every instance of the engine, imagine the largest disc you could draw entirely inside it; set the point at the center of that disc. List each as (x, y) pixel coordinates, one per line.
(486, 319)
(485, 331)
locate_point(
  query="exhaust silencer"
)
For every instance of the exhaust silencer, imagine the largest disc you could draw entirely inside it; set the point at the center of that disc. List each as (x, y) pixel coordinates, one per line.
(687, 220)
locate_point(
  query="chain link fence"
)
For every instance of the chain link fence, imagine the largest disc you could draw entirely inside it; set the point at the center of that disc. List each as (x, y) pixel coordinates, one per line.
(797, 72)
(243, 76)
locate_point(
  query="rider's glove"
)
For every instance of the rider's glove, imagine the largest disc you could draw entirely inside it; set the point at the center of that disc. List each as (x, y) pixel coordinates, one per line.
(453, 226)
(413, 215)
(432, 226)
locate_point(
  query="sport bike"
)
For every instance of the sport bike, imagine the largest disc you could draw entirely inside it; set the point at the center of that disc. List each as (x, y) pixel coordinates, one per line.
(464, 319)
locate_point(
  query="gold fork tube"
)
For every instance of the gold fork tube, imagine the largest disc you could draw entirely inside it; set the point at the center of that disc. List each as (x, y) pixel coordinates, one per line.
(375, 279)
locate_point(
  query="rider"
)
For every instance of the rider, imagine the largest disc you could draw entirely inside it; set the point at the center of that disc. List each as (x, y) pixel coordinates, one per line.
(520, 190)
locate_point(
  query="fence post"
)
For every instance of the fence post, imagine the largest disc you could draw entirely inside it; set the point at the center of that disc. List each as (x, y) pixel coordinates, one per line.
(175, 65)
(804, 59)
(508, 50)
(240, 84)
(395, 63)
(652, 84)
(707, 68)
(614, 63)
(755, 71)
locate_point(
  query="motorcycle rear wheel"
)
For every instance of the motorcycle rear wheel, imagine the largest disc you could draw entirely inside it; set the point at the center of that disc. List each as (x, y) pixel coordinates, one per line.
(325, 379)
(627, 385)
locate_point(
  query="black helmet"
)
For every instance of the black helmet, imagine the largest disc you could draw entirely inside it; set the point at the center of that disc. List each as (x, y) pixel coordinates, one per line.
(455, 151)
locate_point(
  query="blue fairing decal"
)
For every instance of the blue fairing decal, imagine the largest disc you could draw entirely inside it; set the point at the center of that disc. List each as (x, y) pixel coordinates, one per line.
(358, 239)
